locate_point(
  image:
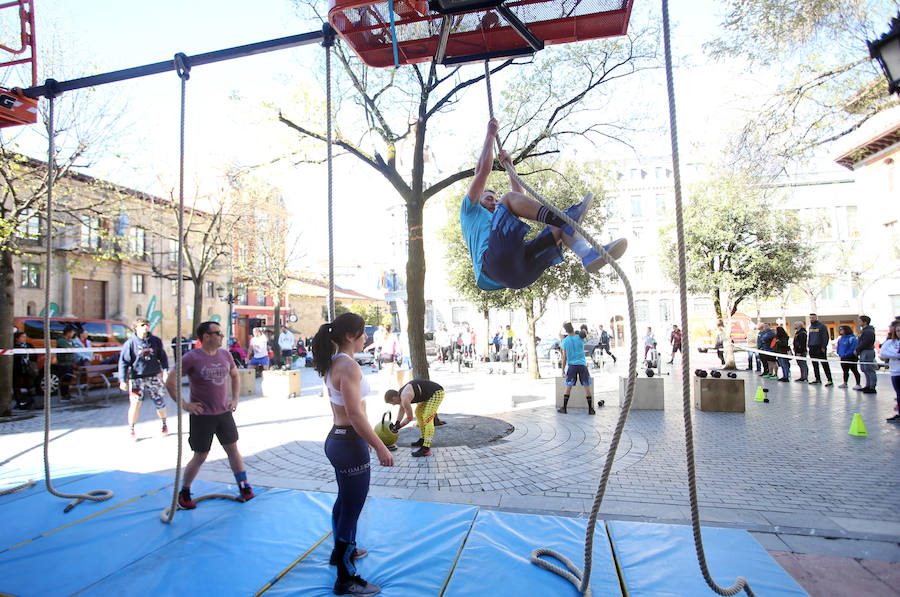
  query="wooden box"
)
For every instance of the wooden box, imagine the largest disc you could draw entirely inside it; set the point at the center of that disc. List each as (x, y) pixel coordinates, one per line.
(719, 395)
(648, 393)
(248, 381)
(576, 397)
(281, 384)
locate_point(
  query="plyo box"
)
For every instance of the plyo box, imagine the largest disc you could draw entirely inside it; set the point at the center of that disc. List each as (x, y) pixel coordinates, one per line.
(648, 393)
(576, 397)
(248, 381)
(719, 395)
(277, 383)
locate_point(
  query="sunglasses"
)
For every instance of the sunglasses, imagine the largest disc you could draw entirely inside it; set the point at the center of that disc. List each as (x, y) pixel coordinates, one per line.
(219, 334)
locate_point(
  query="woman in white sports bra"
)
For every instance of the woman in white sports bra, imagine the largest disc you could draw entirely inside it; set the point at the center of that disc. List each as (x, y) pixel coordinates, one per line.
(347, 445)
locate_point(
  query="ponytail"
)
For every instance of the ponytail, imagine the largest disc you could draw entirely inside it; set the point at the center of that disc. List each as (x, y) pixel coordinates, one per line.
(329, 337)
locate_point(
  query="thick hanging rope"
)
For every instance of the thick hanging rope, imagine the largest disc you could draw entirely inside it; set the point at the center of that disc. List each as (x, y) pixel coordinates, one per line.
(740, 583)
(582, 579)
(183, 69)
(99, 495)
(329, 41)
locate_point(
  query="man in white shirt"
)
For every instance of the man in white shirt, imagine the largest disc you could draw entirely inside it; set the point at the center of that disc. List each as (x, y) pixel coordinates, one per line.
(286, 343)
(259, 350)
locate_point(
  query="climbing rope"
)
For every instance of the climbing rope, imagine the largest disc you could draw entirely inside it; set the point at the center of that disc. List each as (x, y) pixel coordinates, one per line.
(327, 43)
(740, 583)
(581, 579)
(183, 70)
(99, 495)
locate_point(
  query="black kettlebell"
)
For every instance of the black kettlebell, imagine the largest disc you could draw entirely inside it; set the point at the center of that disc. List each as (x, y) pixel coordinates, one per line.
(765, 390)
(716, 374)
(765, 399)
(732, 375)
(649, 372)
(700, 373)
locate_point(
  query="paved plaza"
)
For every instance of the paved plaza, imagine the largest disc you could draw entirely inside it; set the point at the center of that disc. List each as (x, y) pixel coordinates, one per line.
(821, 501)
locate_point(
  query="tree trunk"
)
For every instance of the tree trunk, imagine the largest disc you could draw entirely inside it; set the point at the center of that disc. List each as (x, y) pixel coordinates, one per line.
(276, 329)
(8, 290)
(530, 345)
(721, 323)
(487, 339)
(415, 291)
(198, 305)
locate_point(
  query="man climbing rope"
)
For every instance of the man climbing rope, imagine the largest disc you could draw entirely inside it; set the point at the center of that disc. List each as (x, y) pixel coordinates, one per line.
(495, 235)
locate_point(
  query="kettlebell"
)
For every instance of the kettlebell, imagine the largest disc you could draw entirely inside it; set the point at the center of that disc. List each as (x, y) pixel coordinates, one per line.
(649, 372)
(383, 431)
(700, 373)
(716, 374)
(732, 375)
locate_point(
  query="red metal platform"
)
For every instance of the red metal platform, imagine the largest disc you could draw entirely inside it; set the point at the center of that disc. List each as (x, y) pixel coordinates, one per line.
(366, 27)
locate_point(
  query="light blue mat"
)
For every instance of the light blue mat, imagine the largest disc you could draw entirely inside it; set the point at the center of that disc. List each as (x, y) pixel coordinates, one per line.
(412, 547)
(660, 560)
(237, 554)
(496, 558)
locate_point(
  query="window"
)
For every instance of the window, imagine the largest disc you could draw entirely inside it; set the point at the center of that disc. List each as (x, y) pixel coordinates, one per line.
(136, 241)
(174, 287)
(30, 308)
(31, 275)
(90, 233)
(30, 225)
(241, 292)
(637, 232)
(824, 224)
(665, 310)
(210, 290)
(260, 297)
(639, 267)
(96, 330)
(852, 222)
(661, 207)
(578, 314)
(636, 211)
(173, 250)
(138, 310)
(895, 303)
(827, 292)
(660, 172)
(634, 173)
(459, 315)
(613, 233)
(642, 310)
(701, 305)
(120, 332)
(137, 283)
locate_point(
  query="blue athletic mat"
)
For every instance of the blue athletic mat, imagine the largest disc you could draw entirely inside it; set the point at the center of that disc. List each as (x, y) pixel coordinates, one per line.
(237, 554)
(39, 512)
(92, 549)
(496, 558)
(660, 560)
(412, 547)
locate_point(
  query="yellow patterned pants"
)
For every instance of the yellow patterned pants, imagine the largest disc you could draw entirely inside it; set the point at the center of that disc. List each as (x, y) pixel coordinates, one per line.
(425, 412)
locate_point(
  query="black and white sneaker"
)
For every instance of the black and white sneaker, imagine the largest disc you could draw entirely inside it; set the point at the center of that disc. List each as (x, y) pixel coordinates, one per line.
(355, 585)
(423, 451)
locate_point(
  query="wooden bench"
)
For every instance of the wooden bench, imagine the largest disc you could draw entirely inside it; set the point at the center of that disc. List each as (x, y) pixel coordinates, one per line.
(91, 375)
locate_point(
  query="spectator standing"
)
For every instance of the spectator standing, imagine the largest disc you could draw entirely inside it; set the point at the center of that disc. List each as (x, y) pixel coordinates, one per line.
(25, 373)
(498, 341)
(649, 342)
(65, 361)
(890, 352)
(142, 363)
(765, 342)
(720, 346)
(675, 340)
(286, 344)
(846, 350)
(509, 337)
(865, 350)
(818, 348)
(783, 346)
(800, 341)
(259, 350)
(752, 336)
(211, 373)
(604, 343)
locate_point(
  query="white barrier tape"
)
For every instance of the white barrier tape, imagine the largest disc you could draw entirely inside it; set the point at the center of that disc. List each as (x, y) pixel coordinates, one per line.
(60, 350)
(806, 358)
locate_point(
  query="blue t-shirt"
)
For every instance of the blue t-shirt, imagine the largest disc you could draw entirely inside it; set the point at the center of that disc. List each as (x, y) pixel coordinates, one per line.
(475, 222)
(574, 347)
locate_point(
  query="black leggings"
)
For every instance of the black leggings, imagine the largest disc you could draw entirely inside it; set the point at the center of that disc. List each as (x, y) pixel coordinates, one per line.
(349, 455)
(848, 367)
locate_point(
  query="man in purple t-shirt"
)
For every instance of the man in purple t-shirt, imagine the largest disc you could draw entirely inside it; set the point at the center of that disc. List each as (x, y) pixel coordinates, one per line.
(210, 371)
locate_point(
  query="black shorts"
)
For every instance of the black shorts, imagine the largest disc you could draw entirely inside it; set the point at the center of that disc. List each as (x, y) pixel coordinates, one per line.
(203, 427)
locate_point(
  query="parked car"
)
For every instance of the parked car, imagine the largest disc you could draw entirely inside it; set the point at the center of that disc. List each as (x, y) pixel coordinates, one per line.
(550, 350)
(101, 332)
(430, 345)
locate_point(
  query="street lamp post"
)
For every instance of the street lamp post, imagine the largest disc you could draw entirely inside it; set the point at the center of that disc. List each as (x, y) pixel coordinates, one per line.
(887, 51)
(230, 299)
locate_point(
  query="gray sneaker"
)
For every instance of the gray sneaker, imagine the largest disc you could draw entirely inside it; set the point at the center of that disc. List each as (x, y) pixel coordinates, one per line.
(356, 586)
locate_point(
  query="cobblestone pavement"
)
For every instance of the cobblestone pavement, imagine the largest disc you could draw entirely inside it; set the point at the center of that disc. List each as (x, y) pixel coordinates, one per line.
(786, 470)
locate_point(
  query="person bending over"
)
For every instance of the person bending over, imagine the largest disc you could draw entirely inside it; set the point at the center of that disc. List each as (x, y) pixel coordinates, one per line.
(495, 236)
(427, 395)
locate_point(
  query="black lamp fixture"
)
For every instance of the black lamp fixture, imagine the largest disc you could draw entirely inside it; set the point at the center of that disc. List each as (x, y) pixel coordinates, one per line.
(229, 298)
(887, 51)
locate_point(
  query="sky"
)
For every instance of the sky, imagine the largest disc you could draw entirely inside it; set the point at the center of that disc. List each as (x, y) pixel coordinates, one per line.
(227, 122)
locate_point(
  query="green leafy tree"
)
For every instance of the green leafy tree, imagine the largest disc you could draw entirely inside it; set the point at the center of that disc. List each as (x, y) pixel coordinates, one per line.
(563, 187)
(828, 86)
(737, 247)
(380, 110)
